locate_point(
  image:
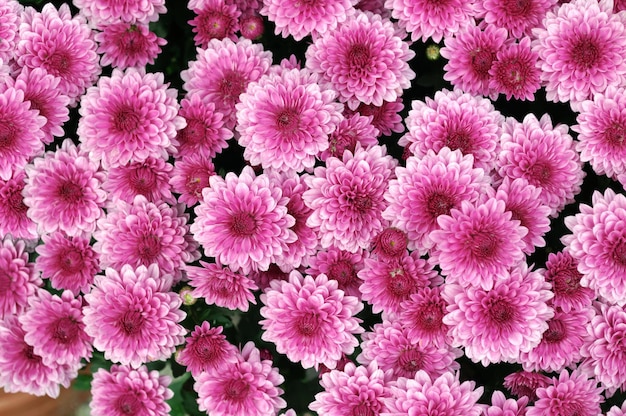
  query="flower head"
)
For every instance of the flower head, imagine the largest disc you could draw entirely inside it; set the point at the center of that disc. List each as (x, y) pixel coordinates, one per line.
(569, 394)
(123, 45)
(206, 349)
(350, 131)
(517, 17)
(562, 273)
(339, 265)
(526, 383)
(18, 280)
(514, 72)
(190, 176)
(215, 19)
(13, 212)
(150, 178)
(129, 11)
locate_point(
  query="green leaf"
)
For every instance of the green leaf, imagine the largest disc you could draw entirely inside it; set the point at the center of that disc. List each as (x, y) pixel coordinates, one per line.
(176, 402)
(82, 382)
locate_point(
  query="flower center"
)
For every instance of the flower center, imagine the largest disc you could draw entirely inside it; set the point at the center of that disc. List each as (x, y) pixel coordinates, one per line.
(71, 260)
(483, 244)
(399, 284)
(243, 224)
(214, 25)
(363, 409)
(143, 180)
(439, 204)
(556, 331)
(359, 55)
(500, 311)
(236, 390)
(512, 73)
(5, 282)
(430, 316)
(15, 200)
(197, 181)
(308, 324)
(363, 203)
(343, 272)
(458, 139)
(539, 174)
(7, 135)
(126, 120)
(149, 247)
(131, 41)
(288, 120)
(65, 330)
(341, 141)
(231, 86)
(131, 322)
(619, 253)
(411, 360)
(129, 404)
(392, 242)
(70, 192)
(615, 134)
(194, 133)
(567, 281)
(481, 61)
(207, 348)
(516, 8)
(58, 63)
(585, 53)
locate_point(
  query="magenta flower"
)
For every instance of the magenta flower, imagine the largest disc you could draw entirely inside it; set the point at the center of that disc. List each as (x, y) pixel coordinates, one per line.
(498, 324)
(421, 394)
(543, 155)
(205, 134)
(60, 44)
(129, 116)
(425, 19)
(598, 243)
(470, 54)
(310, 320)
(15, 220)
(518, 18)
(21, 370)
(347, 199)
(567, 395)
(351, 61)
(150, 178)
(581, 47)
(514, 72)
(18, 279)
(69, 262)
(190, 176)
(562, 273)
(124, 390)
(129, 11)
(54, 327)
(10, 15)
(21, 131)
(248, 387)
(284, 120)
(221, 286)
(353, 390)
(429, 187)
(455, 120)
(222, 72)
(144, 233)
(478, 244)
(350, 131)
(206, 350)
(132, 317)
(390, 346)
(525, 384)
(243, 221)
(422, 316)
(339, 265)
(302, 19)
(215, 19)
(390, 244)
(123, 44)
(385, 118)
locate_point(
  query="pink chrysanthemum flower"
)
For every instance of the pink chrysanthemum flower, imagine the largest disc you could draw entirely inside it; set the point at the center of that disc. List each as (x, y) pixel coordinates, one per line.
(598, 243)
(496, 325)
(601, 130)
(562, 273)
(518, 18)
(206, 349)
(21, 370)
(429, 187)
(350, 131)
(14, 220)
(190, 176)
(263, 278)
(470, 54)
(21, 131)
(132, 317)
(129, 116)
(129, 11)
(478, 244)
(604, 353)
(581, 47)
(69, 262)
(390, 244)
(126, 391)
(243, 221)
(523, 201)
(221, 286)
(617, 411)
(284, 120)
(351, 61)
(525, 384)
(63, 191)
(392, 349)
(251, 26)
(10, 13)
(223, 71)
(248, 387)
(501, 406)
(307, 18)
(347, 199)
(385, 118)
(514, 73)
(432, 19)
(561, 344)
(339, 265)
(150, 178)
(387, 284)
(54, 327)
(124, 45)
(60, 44)
(421, 394)
(41, 89)
(143, 233)
(215, 19)
(18, 279)
(310, 320)
(422, 315)
(353, 390)
(569, 394)
(205, 134)
(543, 155)
(456, 120)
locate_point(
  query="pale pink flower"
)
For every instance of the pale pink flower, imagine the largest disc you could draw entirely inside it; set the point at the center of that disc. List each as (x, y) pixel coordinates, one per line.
(10, 14)
(501, 406)
(123, 44)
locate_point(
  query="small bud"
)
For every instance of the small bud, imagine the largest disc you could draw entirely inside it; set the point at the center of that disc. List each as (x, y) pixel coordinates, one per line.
(432, 52)
(187, 296)
(252, 27)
